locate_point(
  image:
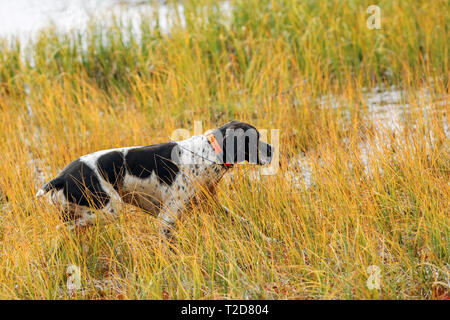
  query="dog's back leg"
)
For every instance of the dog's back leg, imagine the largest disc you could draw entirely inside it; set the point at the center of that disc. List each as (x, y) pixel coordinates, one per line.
(87, 216)
(87, 219)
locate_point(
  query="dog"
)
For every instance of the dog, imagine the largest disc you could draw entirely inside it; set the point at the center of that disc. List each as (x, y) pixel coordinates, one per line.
(163, 179)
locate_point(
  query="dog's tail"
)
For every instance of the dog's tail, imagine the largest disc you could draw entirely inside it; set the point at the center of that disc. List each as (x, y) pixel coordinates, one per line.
(56, 183)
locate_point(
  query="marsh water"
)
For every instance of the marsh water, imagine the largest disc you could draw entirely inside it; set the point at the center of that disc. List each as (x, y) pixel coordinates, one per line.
(25, 18)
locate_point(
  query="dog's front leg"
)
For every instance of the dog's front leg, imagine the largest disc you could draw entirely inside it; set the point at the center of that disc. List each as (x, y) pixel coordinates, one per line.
(169, 216)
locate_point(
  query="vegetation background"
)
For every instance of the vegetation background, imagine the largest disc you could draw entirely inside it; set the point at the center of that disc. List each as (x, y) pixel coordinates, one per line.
(351, 192)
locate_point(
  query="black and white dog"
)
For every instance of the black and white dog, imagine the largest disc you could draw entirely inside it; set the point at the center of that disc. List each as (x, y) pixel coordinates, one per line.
(163, 179)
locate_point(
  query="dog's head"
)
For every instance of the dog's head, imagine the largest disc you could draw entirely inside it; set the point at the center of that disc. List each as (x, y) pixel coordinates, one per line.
(240, 142)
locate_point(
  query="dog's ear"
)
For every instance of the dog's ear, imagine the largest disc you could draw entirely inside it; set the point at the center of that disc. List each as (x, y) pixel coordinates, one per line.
(241, 144)
(221, 132)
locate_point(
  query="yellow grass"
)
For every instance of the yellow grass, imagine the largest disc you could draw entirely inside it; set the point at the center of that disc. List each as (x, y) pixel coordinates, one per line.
(267, 69)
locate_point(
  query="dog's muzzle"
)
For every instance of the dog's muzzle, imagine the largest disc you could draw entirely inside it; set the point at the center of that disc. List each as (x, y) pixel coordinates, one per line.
(265, 153)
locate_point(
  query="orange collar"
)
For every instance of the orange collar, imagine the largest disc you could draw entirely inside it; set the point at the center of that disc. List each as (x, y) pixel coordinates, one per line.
(217, 148)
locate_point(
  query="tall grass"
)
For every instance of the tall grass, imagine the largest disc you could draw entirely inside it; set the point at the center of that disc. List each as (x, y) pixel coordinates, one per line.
(267, 63)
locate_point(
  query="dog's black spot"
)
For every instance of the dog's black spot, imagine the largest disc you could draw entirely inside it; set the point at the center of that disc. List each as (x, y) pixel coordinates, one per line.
(112, 168)
(141, 162)
(81, 185)
(240, 139)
